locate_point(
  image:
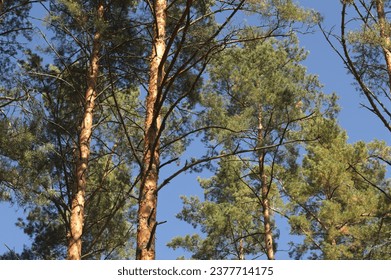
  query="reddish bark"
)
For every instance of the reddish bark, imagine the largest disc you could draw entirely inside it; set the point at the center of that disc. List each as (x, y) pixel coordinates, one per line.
(149, 182)
(385, 36)
(78, 195)
(265, 188)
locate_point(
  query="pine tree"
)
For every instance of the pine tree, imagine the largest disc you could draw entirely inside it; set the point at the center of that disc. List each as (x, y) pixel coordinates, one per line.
(41, 176)
(54, 114)
(151, 158)
(258, 98)
(229, 218)
(78, 195)
(334, 203)
(180, 55)
(364, 47)
(103, 35)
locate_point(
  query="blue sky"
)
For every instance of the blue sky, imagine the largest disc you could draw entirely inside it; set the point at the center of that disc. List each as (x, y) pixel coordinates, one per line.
(359, 123)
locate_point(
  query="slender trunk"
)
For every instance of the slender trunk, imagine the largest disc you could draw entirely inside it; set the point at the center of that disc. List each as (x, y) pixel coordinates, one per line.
(149, 182)
(78, 195)
(264, 193)
(267, 219)
(385, 36)
(241, 249)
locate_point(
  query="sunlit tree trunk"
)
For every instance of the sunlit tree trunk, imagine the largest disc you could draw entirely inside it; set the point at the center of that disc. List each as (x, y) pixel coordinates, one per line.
(78, 195)
(149, 182)
(264, 193)
(385, 36)
(241, 249)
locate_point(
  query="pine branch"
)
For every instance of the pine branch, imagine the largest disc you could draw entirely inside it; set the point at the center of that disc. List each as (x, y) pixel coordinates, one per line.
(369, 182)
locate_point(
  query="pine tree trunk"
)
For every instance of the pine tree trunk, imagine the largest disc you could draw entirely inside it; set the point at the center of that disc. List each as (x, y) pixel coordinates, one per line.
(241, 250)
(149, 182)
(267, 219)
(78, 195)
(385, 36)
(264, 193)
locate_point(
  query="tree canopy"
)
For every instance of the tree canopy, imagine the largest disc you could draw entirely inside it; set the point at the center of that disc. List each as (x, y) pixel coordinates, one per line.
(104, 104)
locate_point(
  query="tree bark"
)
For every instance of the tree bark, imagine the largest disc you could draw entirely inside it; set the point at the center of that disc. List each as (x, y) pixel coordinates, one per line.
(385, 36)
(267, 219)
(264, 192)
(149, 181)
(241, 249)
(78, 195)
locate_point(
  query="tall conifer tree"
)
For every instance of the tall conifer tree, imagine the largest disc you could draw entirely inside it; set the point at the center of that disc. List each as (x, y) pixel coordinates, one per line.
(340, 198)
(262, 96)
(180, 54)
(54, 114)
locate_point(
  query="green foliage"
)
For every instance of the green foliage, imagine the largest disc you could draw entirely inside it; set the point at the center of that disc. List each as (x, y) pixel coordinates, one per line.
(229, 217)
(40, 176)
(287, 10)
(258, 96)
(14, 22)
(268, 83)
(242, 91)
(15, 27)
(334, 203)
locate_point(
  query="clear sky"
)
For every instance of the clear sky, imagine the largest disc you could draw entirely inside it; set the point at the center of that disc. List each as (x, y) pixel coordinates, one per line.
(357, 121)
